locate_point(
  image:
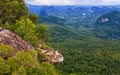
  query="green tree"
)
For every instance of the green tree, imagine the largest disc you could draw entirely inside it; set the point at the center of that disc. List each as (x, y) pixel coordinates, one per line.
(22, 71)
(48, 69)
(42, 32)
(27, 29)
(23, 60)
(25, 63)
(4, 68)
(33, 18)
(6, 51)
(12, 10)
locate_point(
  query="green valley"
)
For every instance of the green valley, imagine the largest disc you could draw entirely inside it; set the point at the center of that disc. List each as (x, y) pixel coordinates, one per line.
(89, 47)
(59, 39)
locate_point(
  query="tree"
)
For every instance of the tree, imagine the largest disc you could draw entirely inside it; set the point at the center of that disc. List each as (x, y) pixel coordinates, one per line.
(4, 68)
(42, 32)
(12, 10)
(24, 26)
(6, 51)
(26, 29)
(48, 69)
(33, 18)
(22, 71)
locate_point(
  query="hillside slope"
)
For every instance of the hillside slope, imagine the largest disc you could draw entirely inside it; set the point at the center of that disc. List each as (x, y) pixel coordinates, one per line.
(108, 25)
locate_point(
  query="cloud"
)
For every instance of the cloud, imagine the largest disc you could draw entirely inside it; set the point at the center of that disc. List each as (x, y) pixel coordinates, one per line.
(49, 2)
(111, 0)
(72, 2)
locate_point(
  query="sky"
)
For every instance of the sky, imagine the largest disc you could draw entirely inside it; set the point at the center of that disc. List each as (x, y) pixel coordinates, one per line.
(73, 2)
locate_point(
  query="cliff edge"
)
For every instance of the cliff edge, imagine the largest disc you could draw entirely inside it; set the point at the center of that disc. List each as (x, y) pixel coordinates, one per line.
(7, 37)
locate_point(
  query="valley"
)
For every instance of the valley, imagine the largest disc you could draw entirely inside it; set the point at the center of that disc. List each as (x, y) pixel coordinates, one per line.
(87, 36)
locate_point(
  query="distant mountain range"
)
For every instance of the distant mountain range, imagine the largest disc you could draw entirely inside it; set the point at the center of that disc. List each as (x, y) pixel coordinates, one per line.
(101, 21)
(71, 11)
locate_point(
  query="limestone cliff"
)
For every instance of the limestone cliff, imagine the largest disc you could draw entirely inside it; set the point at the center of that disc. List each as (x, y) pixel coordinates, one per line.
(9, 38)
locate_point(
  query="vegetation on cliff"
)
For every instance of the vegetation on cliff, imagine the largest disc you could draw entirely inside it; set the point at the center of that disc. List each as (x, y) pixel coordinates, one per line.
(29, 60)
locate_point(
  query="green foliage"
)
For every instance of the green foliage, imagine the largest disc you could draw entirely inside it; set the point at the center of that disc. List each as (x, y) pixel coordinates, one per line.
(109, 29)
(89, 56)
(84, 53)
(32, 38)
(33, 53)
(23, 60)
(6, 51)
(53, 19)
(24, 26)
(4, 68)
(42, 32)
(25, 63)
(88, 48)
(27, 29)
(33, 18)
(73, 74)
(22, 71)
(12, 10)
(14, 16)
(48, 69)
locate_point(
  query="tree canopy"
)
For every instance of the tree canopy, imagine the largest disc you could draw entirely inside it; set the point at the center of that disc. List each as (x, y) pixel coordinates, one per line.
(15, 17)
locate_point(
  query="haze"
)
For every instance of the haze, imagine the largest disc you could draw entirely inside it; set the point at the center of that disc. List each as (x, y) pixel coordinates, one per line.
(73, 2)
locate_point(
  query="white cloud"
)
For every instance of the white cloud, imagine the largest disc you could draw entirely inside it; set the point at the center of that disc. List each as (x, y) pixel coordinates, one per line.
(72, 2)
(111, 0)
(50, 2)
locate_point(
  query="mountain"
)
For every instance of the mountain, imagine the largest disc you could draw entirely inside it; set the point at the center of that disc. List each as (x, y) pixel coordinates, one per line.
(52, 19)
(81, 35)
(43, 13)
(101, 21)
(72, 17)
(71, 11)
(108, 25)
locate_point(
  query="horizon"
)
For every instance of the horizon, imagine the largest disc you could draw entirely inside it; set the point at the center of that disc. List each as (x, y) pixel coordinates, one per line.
(72, 5)
(73, 2)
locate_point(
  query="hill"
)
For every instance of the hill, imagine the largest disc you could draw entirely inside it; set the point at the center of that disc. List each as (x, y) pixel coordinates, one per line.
(108, 25)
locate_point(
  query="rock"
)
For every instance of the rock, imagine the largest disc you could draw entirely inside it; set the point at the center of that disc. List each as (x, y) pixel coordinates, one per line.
(103, 20)
(51, 55)
(7, 37)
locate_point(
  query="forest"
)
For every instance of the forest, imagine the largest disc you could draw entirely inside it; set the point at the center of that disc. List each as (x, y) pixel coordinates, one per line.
(90, 44)
(88, 38)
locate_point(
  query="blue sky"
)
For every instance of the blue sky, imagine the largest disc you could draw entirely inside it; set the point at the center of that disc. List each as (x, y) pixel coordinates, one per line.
(73, 2)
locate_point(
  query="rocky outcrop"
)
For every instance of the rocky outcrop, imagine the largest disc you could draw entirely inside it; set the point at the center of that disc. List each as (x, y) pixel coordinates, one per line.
(52, 55)
(9, 38)
(103, 20)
